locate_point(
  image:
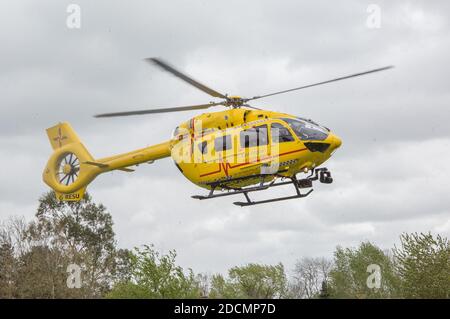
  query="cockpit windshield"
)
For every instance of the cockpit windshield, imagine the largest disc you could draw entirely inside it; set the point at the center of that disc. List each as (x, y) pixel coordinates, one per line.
(307, 130)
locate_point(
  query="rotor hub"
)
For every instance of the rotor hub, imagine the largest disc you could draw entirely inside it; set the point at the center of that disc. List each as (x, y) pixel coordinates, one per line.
(67, 169)
(235, 101)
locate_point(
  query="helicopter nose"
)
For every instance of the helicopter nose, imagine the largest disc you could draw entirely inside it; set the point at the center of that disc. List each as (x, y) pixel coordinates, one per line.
(338, 142)
(335, 141)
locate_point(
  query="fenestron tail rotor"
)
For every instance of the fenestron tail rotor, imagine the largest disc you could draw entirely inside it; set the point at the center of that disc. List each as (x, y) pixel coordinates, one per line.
(228, 101)
(68, 168)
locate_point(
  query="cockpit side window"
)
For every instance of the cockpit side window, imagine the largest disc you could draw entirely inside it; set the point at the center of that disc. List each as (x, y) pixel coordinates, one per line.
(306, 130)
(280, 134)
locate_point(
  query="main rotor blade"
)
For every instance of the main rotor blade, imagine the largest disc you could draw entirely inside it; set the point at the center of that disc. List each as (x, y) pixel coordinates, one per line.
(251, 107)
(324, 82)
(184, 77)
(162, 110)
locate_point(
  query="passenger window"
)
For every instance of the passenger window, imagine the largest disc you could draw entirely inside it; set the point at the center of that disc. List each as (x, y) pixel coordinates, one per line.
(222, 143)
(203, 147)
(255, 136)
(280, 134)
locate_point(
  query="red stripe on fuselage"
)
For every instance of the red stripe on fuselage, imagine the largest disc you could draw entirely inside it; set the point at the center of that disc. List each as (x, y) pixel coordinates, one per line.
(227, 166)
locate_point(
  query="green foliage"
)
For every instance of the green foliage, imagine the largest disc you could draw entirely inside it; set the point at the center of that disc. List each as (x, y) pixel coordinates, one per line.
(154, 275)
(34, 257)
(41, 274)
(62, 233)
(221, 288)
(83, 232)
(349, 274)
(251, 281)
(77, 226)
(8, 264)
(424, 266)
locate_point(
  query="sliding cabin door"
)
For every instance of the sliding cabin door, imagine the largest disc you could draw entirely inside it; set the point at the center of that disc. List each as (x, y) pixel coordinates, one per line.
(254, 147)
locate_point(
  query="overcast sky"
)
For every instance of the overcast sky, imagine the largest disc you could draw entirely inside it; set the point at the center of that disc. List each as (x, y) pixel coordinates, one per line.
(391, 173)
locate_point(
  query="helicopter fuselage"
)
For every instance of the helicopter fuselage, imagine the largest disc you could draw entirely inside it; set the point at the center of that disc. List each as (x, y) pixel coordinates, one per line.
(237, 143)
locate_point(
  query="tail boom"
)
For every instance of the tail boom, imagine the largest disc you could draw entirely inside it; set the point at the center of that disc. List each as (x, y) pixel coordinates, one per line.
(71, 167)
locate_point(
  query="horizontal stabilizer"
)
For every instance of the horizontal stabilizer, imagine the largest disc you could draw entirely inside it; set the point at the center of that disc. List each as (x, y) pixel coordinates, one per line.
(101, 165)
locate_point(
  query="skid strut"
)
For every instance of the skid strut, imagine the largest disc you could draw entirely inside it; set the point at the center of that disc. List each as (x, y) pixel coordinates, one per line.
(321, 174)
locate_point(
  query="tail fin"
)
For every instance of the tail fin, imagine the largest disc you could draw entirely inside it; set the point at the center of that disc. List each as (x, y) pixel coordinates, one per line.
(71, 167)
(61, 135)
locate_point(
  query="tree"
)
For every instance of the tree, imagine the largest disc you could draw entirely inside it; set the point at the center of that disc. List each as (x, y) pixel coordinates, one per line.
(41, 274)
(155, 275)
(423, 263)
(311, 276)
(324, 293)
(82, 232)
(7, 273)
(251, 281)
(11, 244)
(225, 289)
(203, 281)
(35, 255)
(349, 276)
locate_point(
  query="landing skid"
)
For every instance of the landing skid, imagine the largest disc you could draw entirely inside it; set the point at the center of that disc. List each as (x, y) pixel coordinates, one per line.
(321, 174)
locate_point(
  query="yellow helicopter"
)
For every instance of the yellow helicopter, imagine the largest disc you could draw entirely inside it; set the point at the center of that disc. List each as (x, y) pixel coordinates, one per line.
(237, 151)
